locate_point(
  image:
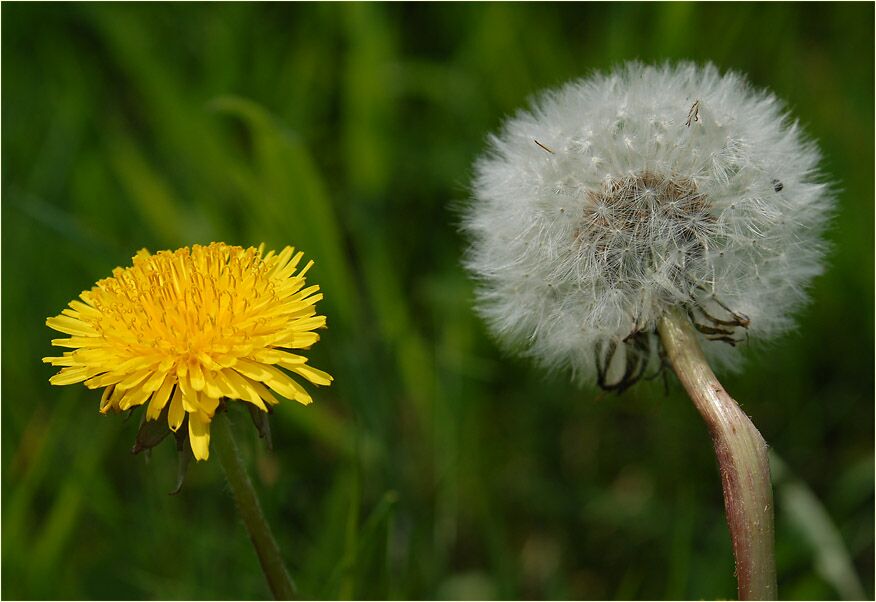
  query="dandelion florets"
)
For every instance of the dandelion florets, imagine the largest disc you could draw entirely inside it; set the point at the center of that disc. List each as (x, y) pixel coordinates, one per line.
(622, 195)
(182, 330)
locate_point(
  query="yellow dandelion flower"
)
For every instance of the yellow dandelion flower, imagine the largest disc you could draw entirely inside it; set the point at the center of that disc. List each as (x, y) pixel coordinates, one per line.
(186, 328)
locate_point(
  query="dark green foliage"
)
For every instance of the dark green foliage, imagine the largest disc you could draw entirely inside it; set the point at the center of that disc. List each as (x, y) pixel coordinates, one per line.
(433, 467)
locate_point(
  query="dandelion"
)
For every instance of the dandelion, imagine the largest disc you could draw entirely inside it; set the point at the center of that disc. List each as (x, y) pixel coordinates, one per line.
(653, 215)
(624, 195)
(182, 330)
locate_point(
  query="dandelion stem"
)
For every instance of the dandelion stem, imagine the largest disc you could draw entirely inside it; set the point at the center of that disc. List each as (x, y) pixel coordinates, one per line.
(250, 510)
(742, 460)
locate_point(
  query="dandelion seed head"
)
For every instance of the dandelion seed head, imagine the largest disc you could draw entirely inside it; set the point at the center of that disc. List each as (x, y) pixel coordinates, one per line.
(663, 186)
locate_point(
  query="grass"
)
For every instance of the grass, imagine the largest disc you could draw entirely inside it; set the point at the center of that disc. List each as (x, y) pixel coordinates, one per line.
(434, 467)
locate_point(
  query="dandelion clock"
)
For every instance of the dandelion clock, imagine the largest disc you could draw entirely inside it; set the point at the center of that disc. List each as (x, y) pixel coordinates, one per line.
(652, 216)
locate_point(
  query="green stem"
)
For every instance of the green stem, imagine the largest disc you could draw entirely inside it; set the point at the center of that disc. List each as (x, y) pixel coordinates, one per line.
(742, 460)
(250, 511)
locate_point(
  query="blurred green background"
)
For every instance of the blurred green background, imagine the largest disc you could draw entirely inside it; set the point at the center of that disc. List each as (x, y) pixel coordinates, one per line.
(434, 467)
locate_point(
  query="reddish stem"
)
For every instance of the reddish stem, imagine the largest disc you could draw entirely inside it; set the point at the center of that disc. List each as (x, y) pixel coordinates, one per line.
(742, 459)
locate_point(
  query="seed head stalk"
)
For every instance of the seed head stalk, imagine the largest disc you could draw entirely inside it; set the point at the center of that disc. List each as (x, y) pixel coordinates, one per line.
(247, 503)
(742, 460)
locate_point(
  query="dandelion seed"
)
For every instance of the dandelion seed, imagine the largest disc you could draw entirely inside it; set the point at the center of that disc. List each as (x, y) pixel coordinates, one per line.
(543, 146)
(182, 330)
(693, 114)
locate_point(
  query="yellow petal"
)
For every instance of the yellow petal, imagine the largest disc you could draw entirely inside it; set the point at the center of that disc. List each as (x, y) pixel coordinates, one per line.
(264, 392)
(69, 325)
(176, 413)
(280, 357)
(227, 387)
(199, 435)
(199, 402)
(212, 388)
(196, 376)
(301, 311)
(283, 384)
(251, 369)
(104, 399)
(189, 395)
(243, 386)
(105, 380)
(112, 400)
(159, 399)
(308, 324)
(305, 269)
(65, 360)
(304, 293)
(317, 377)
(208, 404)
(155, 380)
(133, 364)
(208, 362)
(282, 259)
(84, 309)
(226, 361)
(70, 375)
(133, 397)
(133, 380)
(75, 342)
(298, 340)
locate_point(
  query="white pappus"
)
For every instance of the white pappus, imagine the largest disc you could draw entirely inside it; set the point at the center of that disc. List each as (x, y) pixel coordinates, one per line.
(625, 194)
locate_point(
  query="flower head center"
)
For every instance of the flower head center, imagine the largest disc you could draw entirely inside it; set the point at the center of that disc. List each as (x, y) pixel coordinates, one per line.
(190, 306)
(644, 224)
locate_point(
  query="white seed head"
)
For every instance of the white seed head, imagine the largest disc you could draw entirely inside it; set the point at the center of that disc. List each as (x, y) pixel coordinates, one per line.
(622, 195)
